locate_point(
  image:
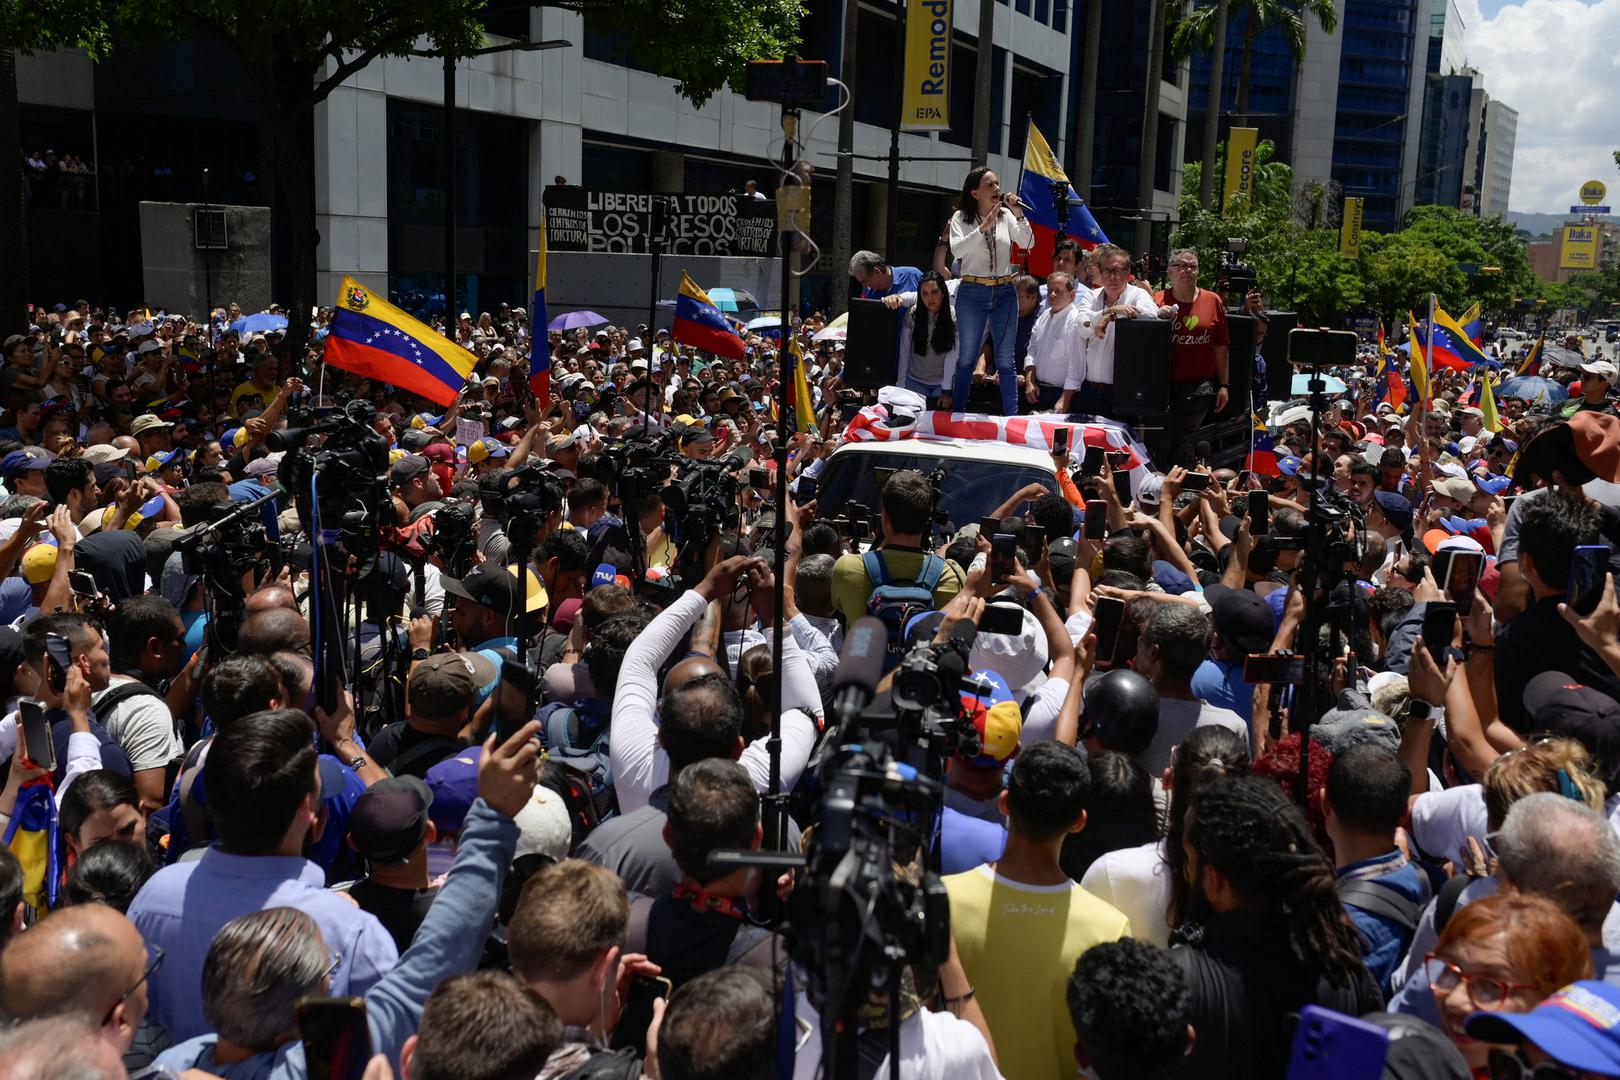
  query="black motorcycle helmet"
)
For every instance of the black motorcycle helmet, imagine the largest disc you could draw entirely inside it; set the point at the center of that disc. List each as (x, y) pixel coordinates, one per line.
(1121, 711)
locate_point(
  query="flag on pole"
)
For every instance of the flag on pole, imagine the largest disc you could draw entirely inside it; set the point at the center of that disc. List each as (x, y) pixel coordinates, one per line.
(1041, 175)
(804, 406)
(1532, 362)
(1487, 406)
(1451, 347)
(1420, 368)
(539, 337)
(33, 836)
(698, 322)
(1471, 323)
(376, 340)
(1262, 457)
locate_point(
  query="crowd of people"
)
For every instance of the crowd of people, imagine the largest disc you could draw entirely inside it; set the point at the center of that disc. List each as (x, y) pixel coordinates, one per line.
(492, 824)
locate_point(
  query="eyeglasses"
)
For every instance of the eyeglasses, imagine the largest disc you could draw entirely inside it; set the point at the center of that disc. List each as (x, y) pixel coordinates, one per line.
(1184, 266)
(1508, 1065)
(154, 960)
(1111, 271)
(331, 969)
(1484, 991)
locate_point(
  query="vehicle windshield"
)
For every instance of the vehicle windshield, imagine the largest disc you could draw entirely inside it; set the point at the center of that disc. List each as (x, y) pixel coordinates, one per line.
(969, 490)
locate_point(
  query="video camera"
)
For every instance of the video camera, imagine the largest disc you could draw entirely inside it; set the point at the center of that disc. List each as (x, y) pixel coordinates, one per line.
(339, 487)
(1236, 276)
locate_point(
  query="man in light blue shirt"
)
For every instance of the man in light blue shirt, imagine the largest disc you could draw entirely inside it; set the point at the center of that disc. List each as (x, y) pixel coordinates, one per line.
(265, 804)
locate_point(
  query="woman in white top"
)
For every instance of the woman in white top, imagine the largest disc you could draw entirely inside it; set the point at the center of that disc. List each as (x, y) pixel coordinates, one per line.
(984, 229)
(1116, 299)
(928, 338)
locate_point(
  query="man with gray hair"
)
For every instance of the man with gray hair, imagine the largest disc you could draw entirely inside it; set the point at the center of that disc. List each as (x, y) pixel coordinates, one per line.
(1177, 639)
(878, 279)
(816, 629)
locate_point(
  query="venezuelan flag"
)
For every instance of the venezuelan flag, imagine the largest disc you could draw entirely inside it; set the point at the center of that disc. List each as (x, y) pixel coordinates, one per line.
(1041, 172)
(1450, 345)
(804, 406)
(376, 340)
(32, 836)
(1532, 362)
(1471, 323)
(1487, 405)
(1420, 366)
(1262, 459)
(539, 337)
(699, 323)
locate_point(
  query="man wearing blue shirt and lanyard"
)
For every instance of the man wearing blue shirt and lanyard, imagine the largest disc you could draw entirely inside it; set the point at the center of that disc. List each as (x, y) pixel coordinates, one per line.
(878, 279)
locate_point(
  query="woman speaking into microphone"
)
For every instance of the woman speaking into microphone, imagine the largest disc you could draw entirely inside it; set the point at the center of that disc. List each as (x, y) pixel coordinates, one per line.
(983, 231)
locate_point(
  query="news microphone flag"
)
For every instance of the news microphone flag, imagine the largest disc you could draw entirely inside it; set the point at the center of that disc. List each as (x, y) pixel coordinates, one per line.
(698, 322)
(1035, 187)
(539, 338)
(376, 340)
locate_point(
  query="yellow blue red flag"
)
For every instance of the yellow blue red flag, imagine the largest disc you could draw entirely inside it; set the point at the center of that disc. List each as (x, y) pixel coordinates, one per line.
(31, 835)
(804, 406)
(1041, 174)
(1420, 365)
(1532, 362)
(698, 322)
(539, 338)
(1487, 406)
(376, 340)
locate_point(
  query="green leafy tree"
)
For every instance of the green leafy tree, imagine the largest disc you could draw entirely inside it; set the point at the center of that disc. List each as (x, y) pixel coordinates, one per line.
(1399, 270)
(1487, 243)
(297, 52)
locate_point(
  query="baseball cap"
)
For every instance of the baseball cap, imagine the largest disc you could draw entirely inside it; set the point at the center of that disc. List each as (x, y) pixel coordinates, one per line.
(562, 441)
(1587, 442)
(27, 459)
(446, 682)
(162, 459)
(1454, 487)
(390, 818)
(1559, 704)
(995, 717)
(39, 562)
(1492, 485)
(496, 587)
(407, 469)
(1396, 507)
(265, 466)
(453, 783)
(1600, 367)
(544, 826)
(104, 453)
(148, 422)
(487, 448)
(1289, 466)
(1579, 1027)
(1242, 618)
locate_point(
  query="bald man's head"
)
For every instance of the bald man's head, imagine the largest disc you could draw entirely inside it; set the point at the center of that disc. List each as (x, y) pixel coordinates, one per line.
(56, 1048)
(273, 631)
(75, 963)
(693, 667)
(270, 599)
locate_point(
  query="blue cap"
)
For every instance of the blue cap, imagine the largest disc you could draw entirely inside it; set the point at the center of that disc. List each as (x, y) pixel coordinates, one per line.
(1289, 466)
(1396, 507)
(1493, 485)
(1578, 1027)
(1170, 579)
(604, 574)
(454, 783)
(22, 461)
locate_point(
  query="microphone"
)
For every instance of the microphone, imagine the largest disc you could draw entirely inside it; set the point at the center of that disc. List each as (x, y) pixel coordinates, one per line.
(854, 682)
(1201, 451)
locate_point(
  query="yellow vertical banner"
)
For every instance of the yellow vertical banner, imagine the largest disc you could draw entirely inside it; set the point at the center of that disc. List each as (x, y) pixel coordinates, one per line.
(1240, 144)
(1350, 228)
(926, 93)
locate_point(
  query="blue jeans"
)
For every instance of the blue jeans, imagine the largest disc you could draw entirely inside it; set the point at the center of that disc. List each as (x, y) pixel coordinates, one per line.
(982, 309)
(930, 393)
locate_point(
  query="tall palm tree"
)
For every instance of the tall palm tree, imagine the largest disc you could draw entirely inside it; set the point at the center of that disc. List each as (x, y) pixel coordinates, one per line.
(1201, 27)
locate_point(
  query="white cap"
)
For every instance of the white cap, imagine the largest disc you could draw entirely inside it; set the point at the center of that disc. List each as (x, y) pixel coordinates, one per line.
(1601, 368)
(635, 345)
(544, 826)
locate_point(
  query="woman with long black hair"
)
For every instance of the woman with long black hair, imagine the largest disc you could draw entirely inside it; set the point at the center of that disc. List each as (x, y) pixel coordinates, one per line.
(928, 338)
(984, 229)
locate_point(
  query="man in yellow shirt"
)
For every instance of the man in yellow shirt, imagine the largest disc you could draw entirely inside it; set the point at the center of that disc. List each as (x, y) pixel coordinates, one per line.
(907, 507)
(1020, 923)
(262, 385)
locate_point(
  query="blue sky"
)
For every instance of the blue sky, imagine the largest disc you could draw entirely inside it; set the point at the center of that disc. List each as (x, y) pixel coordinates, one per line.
(1557, 63)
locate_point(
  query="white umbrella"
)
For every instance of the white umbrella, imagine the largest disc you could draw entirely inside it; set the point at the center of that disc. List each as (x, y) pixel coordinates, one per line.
(837, 330)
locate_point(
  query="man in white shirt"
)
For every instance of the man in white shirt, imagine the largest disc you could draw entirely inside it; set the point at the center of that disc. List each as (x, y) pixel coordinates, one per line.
(1116, 299)
(1055, 365)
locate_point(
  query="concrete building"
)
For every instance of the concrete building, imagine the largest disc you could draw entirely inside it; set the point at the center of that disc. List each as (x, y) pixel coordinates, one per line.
(1501, 127)
(585, 113)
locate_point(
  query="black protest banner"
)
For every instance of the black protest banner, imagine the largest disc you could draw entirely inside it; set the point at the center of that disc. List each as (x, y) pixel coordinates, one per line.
(623, 223)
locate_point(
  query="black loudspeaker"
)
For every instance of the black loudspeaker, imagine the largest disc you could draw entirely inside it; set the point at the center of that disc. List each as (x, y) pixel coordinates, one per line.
(871, 360)
(1240, 367)
(1142, 367)
(1279, 372)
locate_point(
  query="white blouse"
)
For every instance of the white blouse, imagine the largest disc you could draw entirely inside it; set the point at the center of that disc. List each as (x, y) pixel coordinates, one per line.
(989, 254)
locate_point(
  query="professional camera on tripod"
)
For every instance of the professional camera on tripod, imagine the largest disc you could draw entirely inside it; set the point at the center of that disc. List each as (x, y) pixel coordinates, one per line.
(223, 552)
(702, 503)
(339, 486)
(521, 500)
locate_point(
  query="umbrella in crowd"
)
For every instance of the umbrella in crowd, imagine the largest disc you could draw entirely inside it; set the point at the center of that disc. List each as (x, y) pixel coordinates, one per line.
(837, 330)
(768, 324)
(1560, 356)
(573, 320)
(1302, 384)
(262, 323)
(733, 299)
(1534, 389)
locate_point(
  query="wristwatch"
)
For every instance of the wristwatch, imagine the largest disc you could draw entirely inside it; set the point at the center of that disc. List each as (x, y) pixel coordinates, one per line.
(418, 655)
(356, 762)
(1418, 709)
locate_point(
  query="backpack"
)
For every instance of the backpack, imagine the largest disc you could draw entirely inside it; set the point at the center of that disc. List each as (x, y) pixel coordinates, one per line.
(897, 602)
(576, 737)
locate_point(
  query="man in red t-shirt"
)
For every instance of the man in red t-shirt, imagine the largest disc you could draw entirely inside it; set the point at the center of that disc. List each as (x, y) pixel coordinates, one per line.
(1198, 360)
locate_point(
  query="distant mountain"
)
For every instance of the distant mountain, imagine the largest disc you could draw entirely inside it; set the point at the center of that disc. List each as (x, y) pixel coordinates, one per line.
(1536, 224)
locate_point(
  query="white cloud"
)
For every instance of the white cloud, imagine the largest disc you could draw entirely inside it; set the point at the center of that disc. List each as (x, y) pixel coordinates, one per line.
(1557, 63)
